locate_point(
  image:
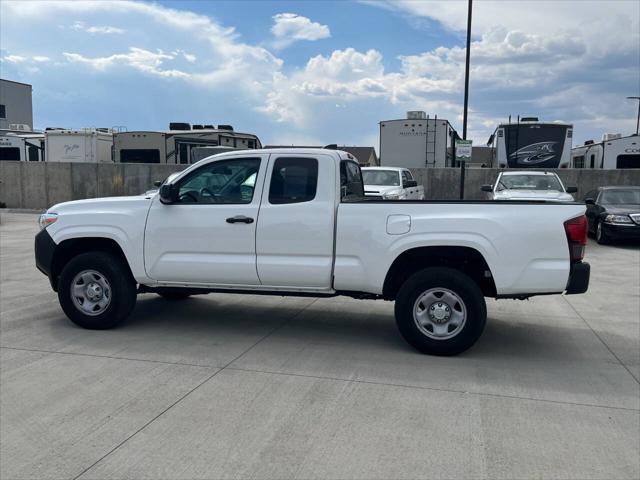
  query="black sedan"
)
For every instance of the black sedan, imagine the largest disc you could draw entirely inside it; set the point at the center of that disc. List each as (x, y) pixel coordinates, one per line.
(614, 213)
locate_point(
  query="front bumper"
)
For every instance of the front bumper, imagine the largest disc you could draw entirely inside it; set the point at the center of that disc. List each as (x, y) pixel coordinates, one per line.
(621, 232)
(578, 278)
(44, 248)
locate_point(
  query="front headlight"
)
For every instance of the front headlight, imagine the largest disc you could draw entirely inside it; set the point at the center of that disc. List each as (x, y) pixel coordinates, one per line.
(47, 219)
(391, 196)
(618, 219)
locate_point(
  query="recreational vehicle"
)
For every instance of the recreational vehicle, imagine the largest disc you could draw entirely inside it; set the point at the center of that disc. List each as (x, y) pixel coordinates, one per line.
(614, 151)
(22, 147)
(417, 142)
(90, 145)
(531, 143)
(176, 144)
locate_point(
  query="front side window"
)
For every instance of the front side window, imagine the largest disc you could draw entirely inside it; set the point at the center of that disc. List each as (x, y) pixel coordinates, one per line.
(224, 182)
(293, 180)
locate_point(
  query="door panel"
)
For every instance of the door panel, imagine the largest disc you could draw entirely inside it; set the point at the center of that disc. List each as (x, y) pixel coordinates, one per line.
(193, 241)
(294, 241)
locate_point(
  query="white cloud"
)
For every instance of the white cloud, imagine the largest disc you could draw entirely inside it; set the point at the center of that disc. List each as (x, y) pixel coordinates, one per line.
(100, 29)
(289, 28)
(138, 58)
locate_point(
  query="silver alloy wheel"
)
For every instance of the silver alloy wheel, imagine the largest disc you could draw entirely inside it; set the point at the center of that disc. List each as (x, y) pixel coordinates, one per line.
(439, 313)
(91, 292)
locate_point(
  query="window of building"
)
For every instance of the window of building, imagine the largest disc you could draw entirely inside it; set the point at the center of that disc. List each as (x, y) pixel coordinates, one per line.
(351, 185)
(3, 111)
(222, 182)
(593, 161)
(578, 161)
(140, 155)
(293, 180)
(9, 153)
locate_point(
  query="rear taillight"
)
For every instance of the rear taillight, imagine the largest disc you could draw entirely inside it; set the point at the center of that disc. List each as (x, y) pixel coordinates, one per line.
(576, 230)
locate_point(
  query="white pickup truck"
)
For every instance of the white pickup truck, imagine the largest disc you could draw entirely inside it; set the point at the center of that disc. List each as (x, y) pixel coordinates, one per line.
(391, 183)
(296, 222)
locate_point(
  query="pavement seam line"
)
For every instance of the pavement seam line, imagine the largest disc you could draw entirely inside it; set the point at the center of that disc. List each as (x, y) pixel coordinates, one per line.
(434, 389)
(111, 357)
(228, 367)
(267, 335)
(620, 362)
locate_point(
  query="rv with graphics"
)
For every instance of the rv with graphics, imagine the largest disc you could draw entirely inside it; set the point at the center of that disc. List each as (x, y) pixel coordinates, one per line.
(529, 143)
(614, 151)
(174, 146)
(86, 145)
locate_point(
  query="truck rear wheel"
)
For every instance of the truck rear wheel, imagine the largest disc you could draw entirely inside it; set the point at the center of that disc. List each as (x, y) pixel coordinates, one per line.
(96, 290)
(440, 311)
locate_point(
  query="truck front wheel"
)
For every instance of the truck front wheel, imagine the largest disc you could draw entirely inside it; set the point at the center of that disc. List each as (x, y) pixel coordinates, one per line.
(96, 290)
(440, 311)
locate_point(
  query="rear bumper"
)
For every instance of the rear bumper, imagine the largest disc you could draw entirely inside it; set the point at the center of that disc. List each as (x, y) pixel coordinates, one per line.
(44, 248)
(578, 278)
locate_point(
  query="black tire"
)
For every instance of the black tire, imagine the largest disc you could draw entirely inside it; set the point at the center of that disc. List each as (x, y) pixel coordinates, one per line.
(122, 290)
(174, 294)
(454, 281)
(601, 235)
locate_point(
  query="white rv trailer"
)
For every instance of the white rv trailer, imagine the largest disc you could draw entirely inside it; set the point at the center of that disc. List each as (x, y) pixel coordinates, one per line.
(531, 143)
(417, 142)
(174, 146)
(21, 147)
(89, 145)
(614, 151)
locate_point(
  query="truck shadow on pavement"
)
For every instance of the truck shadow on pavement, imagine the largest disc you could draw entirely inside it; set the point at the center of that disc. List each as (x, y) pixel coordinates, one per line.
(365, 326)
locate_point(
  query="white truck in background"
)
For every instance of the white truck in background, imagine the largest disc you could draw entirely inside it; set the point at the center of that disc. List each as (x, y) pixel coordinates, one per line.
(87, 145)
(296, 222)
(391, 183)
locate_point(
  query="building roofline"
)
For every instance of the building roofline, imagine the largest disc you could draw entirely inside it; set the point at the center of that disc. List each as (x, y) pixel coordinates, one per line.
(14, 81)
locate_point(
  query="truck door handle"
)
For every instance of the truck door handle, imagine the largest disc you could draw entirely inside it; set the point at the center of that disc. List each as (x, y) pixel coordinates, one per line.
(239, 219)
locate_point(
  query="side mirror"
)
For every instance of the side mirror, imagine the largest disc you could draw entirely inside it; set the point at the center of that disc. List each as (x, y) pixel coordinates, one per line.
(487, 188)
(157, 183)
(571, 189)
(589, 201)
(168, 193)
(410, 183)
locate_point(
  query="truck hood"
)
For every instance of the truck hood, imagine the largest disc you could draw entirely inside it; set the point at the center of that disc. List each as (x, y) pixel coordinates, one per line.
(533, 195)
(381, 189)
(102, 204)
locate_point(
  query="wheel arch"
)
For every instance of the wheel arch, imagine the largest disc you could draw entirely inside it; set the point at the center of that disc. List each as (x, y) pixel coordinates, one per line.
(70, 248)
(467, 260)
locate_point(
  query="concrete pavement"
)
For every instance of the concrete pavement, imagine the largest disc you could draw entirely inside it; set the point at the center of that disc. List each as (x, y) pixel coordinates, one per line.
(229, 386)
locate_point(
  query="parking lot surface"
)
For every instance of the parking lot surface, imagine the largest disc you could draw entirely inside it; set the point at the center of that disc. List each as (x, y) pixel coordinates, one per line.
(241, 386)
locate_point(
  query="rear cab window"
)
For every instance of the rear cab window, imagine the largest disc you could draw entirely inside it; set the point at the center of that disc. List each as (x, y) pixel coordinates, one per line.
(351, 184)
(293, 180)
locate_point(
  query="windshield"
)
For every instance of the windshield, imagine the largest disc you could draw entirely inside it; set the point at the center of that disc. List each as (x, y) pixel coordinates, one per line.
(620, 197)
(529, 182)
(381, 177)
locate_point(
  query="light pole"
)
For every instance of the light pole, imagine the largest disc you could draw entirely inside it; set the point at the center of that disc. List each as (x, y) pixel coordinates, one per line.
(466, 95)
(637, 121)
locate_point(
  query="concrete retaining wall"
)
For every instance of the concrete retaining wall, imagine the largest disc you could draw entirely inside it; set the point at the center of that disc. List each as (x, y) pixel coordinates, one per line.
(41, 185)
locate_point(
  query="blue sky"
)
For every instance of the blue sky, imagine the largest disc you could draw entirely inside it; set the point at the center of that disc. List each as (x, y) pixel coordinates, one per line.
(323, 72)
